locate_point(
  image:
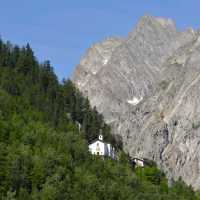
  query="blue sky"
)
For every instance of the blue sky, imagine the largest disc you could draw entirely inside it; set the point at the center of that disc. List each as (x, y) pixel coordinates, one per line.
(62, 30)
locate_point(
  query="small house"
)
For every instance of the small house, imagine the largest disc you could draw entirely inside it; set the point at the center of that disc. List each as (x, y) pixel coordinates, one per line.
(138, 162)
(101, 148)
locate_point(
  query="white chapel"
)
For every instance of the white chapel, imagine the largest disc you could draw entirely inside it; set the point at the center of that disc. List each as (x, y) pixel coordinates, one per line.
(99, 147)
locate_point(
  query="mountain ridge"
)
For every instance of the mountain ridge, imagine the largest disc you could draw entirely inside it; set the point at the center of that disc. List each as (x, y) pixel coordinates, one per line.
(147, 90)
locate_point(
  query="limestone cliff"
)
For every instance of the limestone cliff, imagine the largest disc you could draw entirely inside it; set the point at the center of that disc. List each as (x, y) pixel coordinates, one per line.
(147, 86)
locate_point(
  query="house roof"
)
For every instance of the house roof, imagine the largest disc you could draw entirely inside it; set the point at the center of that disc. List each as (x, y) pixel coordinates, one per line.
(140, 159)
(98, 141)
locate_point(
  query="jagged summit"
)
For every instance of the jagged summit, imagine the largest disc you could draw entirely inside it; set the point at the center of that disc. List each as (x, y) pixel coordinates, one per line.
(151, 20)
(153, 23)
(147, 88)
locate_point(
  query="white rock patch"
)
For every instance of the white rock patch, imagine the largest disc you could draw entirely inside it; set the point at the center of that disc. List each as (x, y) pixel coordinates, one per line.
(94, 72)
(135, 101)
(105, 62)
(80, 84)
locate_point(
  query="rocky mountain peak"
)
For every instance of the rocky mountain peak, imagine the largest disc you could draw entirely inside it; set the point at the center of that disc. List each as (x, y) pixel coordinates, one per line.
(153, 24)
(147, 88)
(149, 20)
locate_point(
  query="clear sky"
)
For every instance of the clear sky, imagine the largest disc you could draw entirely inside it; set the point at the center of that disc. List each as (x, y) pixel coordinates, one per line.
(62, 30)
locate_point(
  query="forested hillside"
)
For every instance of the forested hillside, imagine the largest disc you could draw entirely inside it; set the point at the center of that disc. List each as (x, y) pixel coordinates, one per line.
(44, 155)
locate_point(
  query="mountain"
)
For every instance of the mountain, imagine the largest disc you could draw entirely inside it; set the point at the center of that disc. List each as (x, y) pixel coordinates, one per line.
(147, 88)
(45, 128)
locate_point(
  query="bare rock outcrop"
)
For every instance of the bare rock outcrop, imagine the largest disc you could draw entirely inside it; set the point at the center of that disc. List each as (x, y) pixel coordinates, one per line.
(147, 86)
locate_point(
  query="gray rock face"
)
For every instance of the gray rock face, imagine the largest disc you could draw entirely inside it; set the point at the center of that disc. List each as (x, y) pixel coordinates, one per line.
(147, 86)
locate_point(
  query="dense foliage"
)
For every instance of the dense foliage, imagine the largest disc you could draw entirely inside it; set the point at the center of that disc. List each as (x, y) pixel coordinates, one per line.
(43, 153)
